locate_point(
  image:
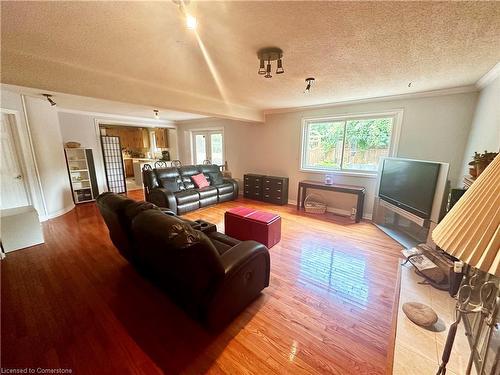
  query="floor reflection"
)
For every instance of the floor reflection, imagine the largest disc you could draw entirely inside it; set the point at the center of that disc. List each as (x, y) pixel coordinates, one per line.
(335, 271)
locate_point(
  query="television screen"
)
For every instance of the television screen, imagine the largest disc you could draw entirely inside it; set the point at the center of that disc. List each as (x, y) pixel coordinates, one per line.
(409, 184)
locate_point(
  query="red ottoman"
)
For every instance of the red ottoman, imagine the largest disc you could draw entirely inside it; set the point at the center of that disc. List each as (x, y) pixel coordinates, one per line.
(248, 224)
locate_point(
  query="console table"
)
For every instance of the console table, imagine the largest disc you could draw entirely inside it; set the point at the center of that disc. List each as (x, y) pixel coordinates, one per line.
(359, 191)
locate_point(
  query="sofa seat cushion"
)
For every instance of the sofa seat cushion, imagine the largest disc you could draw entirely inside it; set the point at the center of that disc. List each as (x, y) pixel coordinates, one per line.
(226, 187)
(187, 196)
(209, 191)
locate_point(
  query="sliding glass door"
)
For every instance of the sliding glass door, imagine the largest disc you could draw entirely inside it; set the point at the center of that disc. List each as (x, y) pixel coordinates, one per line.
(208, 145)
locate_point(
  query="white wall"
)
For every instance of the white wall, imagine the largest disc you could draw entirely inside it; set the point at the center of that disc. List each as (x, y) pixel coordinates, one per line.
(81, 128)
(433, 128)
(485, 130)
(238, 141)
(49, 152)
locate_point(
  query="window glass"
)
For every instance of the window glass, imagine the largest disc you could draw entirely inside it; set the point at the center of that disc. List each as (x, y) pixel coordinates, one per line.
(351, 144)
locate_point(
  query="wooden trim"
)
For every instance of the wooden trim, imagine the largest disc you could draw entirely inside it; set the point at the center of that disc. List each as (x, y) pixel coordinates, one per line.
(394, 326)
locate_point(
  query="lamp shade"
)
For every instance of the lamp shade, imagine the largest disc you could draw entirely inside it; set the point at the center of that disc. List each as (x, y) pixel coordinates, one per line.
(470, 231)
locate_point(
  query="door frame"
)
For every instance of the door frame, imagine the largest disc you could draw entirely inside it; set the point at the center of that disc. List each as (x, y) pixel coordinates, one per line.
(206, 131)
(27, 161)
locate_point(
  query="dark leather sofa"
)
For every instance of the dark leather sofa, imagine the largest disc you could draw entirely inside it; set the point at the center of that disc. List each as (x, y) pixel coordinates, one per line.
(173, 188)
(213, 277)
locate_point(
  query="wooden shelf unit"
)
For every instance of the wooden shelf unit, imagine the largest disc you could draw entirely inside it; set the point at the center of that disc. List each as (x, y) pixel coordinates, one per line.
(82, 177)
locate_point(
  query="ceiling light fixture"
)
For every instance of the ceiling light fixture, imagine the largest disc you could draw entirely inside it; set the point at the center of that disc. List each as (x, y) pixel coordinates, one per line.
(156, 113)
(191, 22)
(270, 54)
(49, 98)
(310, 81)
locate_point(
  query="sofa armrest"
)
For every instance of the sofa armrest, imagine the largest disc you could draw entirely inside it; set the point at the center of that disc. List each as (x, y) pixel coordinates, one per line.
(163, 198)
(235, 186)
(247, 268)
(234, 259)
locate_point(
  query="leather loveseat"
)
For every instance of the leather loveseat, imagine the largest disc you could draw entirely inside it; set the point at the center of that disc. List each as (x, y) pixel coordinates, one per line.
(213, 277)
(173, 187)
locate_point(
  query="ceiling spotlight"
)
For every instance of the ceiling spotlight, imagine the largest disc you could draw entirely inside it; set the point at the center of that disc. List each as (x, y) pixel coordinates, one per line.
(268, 71)
(270, 54)
(191, 22)
(262, 69)
(310, 82)
(279, 69)
(156, 113)
(49, 98)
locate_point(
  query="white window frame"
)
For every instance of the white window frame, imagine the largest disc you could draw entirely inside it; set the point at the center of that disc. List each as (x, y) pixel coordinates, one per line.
(207, 132)
(397, 116)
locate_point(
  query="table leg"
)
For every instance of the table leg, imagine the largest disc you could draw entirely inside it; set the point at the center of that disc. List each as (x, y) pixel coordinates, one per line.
(359, 208)
(298, 197)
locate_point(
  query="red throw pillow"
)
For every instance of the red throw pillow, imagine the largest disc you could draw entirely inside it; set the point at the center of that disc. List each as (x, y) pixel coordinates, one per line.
(200, 181)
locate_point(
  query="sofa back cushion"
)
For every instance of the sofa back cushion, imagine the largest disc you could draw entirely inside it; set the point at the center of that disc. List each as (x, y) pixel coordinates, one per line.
(118, 213)
(183, 257)
(149, 179)
(172, 184)
(169, 179)
(207, 169)
(200, 181)
(186, 172)
(216, 178)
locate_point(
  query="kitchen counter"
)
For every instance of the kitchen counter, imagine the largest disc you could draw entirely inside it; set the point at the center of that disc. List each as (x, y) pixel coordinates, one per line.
(139, 163)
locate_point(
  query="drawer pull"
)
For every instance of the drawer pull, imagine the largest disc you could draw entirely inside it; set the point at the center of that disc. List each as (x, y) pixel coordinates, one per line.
(279, 191)
(256, 193)
(246, 184)
(267, 188)
(267, 195)
(267, 180)
(279, 183)
(278, 197)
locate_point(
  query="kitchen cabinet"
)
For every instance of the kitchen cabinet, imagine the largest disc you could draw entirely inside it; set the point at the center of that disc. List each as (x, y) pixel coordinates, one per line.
(135, 138)
(129, 167)
(161, 136)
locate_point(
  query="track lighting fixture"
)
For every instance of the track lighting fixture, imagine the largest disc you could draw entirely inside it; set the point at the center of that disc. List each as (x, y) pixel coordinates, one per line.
(310, 82)
(270, 54)
(156, 113)
(49, 98)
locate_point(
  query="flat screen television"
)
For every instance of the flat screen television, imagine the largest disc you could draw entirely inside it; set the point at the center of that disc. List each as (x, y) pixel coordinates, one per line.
(409, 184)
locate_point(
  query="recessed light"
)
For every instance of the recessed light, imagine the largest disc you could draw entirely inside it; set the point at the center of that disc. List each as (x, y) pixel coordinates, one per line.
(191, 22)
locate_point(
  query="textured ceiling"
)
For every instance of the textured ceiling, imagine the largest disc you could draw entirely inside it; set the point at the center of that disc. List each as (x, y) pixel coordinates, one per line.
(141, 52)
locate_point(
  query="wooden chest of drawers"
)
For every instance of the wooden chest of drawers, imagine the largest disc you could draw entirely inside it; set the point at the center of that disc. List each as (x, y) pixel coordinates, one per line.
(266, 188)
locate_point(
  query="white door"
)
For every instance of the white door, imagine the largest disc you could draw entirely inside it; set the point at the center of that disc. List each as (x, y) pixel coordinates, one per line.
(208, 145)
(12, 186)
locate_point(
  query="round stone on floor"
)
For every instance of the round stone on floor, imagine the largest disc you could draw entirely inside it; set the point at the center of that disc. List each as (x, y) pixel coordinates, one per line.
(420, 314)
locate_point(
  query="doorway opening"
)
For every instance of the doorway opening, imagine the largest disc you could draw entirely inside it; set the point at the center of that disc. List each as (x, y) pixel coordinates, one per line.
(208, 145)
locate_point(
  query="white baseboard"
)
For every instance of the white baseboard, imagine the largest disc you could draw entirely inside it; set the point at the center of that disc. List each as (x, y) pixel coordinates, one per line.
(57, 213)
(337, 211)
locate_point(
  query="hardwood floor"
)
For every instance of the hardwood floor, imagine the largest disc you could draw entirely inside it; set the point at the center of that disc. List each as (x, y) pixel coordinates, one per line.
(75, 303)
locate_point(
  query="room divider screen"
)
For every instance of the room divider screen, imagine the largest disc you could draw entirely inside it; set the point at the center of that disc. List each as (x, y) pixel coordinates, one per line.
(113, 164)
